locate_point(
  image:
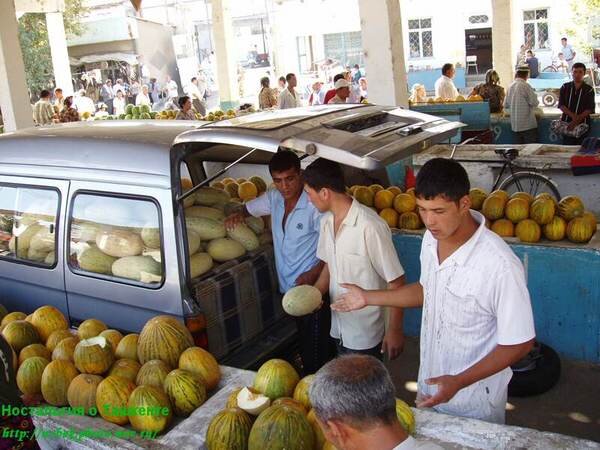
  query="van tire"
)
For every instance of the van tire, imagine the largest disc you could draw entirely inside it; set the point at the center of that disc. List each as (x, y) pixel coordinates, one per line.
(539, 379)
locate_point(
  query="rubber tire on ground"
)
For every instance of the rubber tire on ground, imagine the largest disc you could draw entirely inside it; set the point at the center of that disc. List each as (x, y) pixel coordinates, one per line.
(538, 380)
(549, 99)
(549, 69)
(518, 176)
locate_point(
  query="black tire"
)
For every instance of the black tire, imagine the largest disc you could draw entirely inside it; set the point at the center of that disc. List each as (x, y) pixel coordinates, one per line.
(549, 69)
(549, 99)
(531, 182)
(538, 380)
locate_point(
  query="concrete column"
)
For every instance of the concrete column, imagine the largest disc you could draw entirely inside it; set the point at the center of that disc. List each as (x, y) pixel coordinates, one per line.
(503, 50)
(14, 98)
(58, 50)
(226, 66)
(382, 40)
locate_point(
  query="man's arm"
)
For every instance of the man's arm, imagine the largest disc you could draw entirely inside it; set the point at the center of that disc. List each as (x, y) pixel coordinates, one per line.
(393, 342)
(408, 296)
(498, 359)
(257, 207)
(310, 276)
(322, 283)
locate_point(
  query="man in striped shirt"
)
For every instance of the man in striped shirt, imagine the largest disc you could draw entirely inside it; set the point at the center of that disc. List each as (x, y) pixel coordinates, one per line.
(43, 111)
(521, 100)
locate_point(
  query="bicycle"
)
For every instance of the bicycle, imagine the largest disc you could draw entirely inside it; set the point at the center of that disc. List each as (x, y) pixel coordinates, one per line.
(528, 181)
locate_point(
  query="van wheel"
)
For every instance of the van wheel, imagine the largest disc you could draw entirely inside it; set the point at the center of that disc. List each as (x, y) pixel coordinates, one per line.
(535, 374)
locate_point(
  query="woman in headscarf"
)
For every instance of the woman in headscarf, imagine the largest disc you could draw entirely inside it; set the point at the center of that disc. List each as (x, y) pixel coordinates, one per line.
(491, 91)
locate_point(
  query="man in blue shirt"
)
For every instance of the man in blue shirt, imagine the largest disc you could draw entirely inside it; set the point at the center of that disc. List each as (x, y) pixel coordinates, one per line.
(295, 227)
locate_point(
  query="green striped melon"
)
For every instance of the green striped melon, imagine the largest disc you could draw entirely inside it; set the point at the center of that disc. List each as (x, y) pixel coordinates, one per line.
(301, 391)
(556, 229)
(13, 316)
(291, 403)
(93, 355)
(229, 430)
(3, 311)
(185, 390)
(256, 224)
(206, 228)
(149, 398)
(127, 347)
(493, 207)
(82, 391)
(65, 349)
(204, 211)
(208, 196)
(405, 416)
(200, 362)
(56, 337)
(517, 209)
(47, 319)
(153, 373)
(56, 378)
(126, 368)
(34, 350)
(139, 268)
(580, 230)
(281, 427)
(225, 249)
(164, 338)
(19, 334)
(90, 328)
(113, 337)
(29, 375)
(542, 210)
(477, 196)
(570, 207)
(276, 378)
(243, 234)
(114, 392)
(319, 436)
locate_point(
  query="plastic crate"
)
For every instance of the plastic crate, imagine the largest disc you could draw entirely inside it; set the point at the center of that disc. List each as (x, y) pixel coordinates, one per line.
(243, 276)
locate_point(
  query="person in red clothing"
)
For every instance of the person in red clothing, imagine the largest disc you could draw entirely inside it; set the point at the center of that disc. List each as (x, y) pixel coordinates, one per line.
(331, 92)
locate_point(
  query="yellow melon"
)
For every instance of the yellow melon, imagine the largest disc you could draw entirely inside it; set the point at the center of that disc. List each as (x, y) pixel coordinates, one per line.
(364, 195)
(390, 216)
(247, 191)
(383, 199)
(376, 188)
(405, 203)
(528, 231)
(504, 228)
(394, 190)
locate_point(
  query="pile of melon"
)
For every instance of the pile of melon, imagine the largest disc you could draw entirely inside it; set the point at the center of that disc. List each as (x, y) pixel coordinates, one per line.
(104, 373)
(531, 218)
(31, 236)
(398, 209)
(276, 413)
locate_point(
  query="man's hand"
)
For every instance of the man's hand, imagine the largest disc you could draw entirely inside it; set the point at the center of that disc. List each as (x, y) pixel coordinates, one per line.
(448, 386)
(572, 124)
(233, 220)
(393, 343)
(354, 298)
(308, 277)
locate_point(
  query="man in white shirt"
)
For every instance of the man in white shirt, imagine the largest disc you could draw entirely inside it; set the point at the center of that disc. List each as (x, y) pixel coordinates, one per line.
(477, 317)
(84, 104)
(356, 246)
(353, 424)
(444, 86)
(568, 52)
(197, 97)
(171, 88)
(288, 98)
(521, 101)
(342, 92)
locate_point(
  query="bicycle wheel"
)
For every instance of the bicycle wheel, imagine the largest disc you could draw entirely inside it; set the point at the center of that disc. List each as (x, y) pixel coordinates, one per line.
(549, 69)
(531, 182)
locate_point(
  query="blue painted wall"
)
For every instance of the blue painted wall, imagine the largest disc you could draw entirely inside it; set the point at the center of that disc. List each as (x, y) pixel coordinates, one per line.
(504, 135)
(564, 284)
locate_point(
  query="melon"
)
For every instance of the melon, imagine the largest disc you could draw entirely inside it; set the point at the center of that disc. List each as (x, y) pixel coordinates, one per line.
(328, 445)
(256, 224)
(260, 184)
(19, 243)
(247, 190)
(119, 243)
(570, 207)
(276, 378)
(200, 362)
(229, 430)
(85, 231)
(232, 189)
(153, 373)
(364, 195)
(405, 416)
(185, 390)
(164, 338)
(34, 350)
(56, 337)
(13, 316)
(114, 392)
(301, 391)
(410, 221)
(47, 319)
(580, 230)
(19, 334)
(548, 196)
(139, 268)
(206, 228)
(29, 375)
(591, 217)
(376, 188)
(291, 403)
(93, 355)
(3, 312)
(383, 199)
(523, 195)
(528, 231)
(500, 193)
(35, 255)
(493, 207)
(65, 349)
(318, 432)
(556, 229)
(542, 210)
(82, 391)
(92, 259)
(243, 234)
(394, 190)
(127, 347)
(517, 209)
(208, 196)
(194, 242)
(232, 398)
(43, 241)
(227, 181)
(151, 237)
(200, 263)
(149, 398)
(301, 300)
(56, 378)
(404, 203)
(126, 368)
(250, 401)
(503, 228)
(217, 185)
(50, 258)
(281, 427)
(113, 337)
(186, 185)
(390, 216)
(477, 197)
(241, 180)
(225, 249)
(90, 328)
(204, 211)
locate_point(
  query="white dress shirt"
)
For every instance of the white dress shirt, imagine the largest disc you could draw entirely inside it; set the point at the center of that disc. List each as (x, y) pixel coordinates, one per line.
(444, 88)
(410, 443)
(142, 99)
(287, 100)
(473, 301)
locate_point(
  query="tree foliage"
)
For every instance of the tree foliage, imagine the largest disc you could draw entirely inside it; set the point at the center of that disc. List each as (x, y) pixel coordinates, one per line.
(33, 36)
(584, 14)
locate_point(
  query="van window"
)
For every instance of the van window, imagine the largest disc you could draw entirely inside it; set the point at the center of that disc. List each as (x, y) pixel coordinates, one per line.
(28, 224)
(116, 237)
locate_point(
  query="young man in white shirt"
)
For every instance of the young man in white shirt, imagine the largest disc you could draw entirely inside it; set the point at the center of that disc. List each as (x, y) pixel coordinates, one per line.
(568, 52)
(288, 98)
(354, 400)
(444, 86)
(477, 317)
(356, 246)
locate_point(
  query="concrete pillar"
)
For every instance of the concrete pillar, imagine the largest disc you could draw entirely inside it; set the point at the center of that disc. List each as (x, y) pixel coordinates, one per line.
(58, 50)
(382, 40)
(503, 50)
(14, 98)
(226, 64)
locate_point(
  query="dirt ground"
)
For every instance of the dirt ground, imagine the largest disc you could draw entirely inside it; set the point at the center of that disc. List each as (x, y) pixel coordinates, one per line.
(572, 407)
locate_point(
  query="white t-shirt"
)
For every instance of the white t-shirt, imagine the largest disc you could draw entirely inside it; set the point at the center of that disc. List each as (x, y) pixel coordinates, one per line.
(142, 99)
(362, 253)
(172, 89)
(444, 88)
(410, 443)
(567, 52)
(287, 100)
(119, 105)
(475, 300)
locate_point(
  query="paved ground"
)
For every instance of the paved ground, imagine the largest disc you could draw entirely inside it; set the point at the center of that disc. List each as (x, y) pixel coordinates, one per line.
(572, 407)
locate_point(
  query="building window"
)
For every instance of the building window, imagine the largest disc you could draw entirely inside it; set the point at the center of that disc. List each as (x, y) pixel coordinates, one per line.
(344, 47)
(303, 46)
(420, 38)
(535, 28)
(478, 19)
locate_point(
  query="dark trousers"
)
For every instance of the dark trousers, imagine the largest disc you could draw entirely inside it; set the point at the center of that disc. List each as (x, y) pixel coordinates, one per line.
(527, 136)
(570, 140)
(375, 351)
(316, 346)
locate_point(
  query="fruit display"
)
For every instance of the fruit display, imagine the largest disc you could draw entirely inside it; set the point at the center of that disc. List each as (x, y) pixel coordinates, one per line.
(458, 99)
(229, 429)
(164, 338)
(532, 218)
(301, 300)
(28, 237)
(279, 427)
(276, 378)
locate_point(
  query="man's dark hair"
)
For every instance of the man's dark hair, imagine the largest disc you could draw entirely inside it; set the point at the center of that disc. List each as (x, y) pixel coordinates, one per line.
(530, 52)
(356, 66)
(442, 177)
(563, 39)
(339, 76)
(522, 72)
(324, 173)
(69, 101)
(446, 68)
(194, 79)
(57, 90)
(289, 76)
(578, 65)
(183, 100)
(45, 94)
(282, 78)
(284, 160)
